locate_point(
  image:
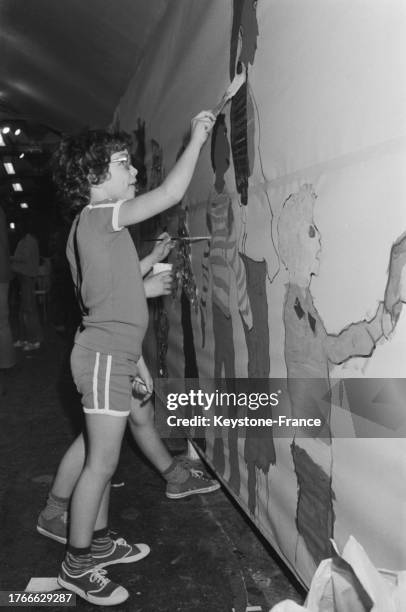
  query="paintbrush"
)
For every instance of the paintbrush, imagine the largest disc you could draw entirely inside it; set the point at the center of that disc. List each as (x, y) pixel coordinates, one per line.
(185, 238)
(230, 92)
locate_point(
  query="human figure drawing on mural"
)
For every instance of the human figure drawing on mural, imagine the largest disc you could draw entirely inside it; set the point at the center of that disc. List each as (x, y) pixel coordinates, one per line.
(395, 292)
(222, 259)
(223, 265)
(257, 252)
(309, 352)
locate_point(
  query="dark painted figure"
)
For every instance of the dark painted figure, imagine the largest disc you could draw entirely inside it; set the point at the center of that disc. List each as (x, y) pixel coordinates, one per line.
(258, 453)
(223, 263)
(242, 54)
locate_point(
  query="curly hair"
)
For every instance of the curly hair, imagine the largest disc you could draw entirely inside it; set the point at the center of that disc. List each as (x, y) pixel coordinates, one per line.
(82, 161)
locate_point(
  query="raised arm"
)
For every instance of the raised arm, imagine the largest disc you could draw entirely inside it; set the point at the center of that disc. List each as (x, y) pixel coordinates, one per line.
(173, 188)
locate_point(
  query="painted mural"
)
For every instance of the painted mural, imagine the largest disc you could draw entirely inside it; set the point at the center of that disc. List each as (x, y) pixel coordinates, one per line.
(300, 272)
(243, 124)
(308, 351)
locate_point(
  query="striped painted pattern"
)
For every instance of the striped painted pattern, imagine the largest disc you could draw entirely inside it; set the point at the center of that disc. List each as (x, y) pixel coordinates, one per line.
(223, 260)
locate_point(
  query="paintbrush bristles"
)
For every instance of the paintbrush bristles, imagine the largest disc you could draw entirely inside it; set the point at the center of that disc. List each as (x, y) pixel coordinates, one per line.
(231, 90)
(236, 83)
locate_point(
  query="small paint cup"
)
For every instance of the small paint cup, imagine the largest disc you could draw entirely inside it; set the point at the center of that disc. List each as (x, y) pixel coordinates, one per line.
(161, 267)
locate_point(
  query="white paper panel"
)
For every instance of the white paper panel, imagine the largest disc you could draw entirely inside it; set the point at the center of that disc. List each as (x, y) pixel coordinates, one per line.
(328, 93)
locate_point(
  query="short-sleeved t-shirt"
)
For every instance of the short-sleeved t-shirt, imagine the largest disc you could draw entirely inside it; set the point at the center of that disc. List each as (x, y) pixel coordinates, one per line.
(112, 287)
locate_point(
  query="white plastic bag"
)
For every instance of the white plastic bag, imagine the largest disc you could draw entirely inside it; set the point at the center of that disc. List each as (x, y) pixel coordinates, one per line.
(350, 583)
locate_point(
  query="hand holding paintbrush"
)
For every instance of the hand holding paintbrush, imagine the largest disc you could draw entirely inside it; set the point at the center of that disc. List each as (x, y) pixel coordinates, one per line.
(235, 85)
(230, 92)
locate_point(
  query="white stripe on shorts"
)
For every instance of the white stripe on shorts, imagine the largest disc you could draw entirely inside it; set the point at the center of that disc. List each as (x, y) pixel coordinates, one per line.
(95, 375)
(107, 384)
(98, 366)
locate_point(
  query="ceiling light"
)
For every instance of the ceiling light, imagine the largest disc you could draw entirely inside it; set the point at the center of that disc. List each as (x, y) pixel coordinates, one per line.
(17, 187)
(21, 155)
(9, 168)
(23, 205)
(6, 130)
(12, 225)
(17, 132)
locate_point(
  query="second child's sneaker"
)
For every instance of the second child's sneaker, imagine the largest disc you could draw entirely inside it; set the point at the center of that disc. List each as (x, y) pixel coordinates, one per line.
(55, 528)
(189, 463)
(122, 552)
(198, 482)
(94, 586)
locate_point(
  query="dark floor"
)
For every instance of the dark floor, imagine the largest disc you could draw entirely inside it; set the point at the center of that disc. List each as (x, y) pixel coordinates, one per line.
(205, 556)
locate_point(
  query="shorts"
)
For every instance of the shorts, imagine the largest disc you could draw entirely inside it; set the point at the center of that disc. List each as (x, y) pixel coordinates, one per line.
(104, 381)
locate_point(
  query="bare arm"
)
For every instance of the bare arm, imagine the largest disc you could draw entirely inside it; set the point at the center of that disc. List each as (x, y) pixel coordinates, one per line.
(175, 184)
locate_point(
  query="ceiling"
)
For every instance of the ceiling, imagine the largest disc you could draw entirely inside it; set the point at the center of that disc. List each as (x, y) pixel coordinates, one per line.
(66, 63)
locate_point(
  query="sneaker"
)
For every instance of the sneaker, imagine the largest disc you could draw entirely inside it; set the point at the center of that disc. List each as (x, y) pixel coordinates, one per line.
(189, 463)
(122, 552)
(55, 528)
(94, 586)
(31, 346)
(198, 482)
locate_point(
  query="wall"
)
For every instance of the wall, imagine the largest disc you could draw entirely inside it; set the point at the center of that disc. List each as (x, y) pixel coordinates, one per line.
(301, 234)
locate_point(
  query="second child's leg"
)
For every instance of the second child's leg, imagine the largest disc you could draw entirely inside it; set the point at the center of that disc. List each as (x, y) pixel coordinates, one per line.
(52, 521)
(69, 469)
(102, 518)
(144, 432)
(182, 480)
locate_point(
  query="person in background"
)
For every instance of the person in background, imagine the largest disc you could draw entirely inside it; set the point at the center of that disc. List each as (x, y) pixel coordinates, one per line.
(7, 353)
(25, 263)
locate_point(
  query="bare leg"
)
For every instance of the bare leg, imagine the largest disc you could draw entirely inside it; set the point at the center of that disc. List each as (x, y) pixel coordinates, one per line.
(142, 427)
(105, 434)
(68, 474)
(70, 469)
(141, 421)
(102, 519)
